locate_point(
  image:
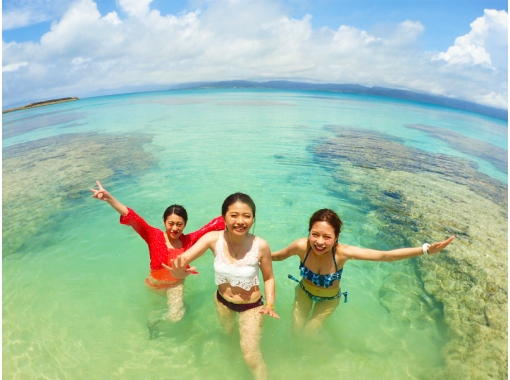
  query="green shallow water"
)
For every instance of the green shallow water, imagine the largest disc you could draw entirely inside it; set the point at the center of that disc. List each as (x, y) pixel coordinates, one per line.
(74, 301)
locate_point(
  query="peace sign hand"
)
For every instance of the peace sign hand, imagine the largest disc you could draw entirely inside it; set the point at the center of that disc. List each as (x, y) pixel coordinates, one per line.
(179, 268)
(102, 193)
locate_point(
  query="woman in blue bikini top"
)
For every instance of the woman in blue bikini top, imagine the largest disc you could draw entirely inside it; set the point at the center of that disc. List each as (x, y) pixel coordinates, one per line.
(321, 255)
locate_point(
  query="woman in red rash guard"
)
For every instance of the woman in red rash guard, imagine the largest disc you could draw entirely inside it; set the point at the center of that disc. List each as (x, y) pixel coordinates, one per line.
(163, 246)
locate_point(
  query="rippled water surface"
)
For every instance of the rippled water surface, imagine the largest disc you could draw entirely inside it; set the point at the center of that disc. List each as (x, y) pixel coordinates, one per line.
(399, 173)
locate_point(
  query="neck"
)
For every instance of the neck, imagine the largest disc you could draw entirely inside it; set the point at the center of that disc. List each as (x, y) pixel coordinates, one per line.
(171, 239)
(235, 239)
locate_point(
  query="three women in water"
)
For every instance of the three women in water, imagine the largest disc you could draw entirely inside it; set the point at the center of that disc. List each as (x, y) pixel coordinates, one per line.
(238, 255)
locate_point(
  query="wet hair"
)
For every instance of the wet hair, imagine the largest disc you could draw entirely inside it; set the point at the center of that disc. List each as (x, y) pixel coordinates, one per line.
(177, 210)
(328, 216)
(237, 197)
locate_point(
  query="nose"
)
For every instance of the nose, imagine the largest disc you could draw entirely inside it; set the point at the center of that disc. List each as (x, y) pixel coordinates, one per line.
(320, 241)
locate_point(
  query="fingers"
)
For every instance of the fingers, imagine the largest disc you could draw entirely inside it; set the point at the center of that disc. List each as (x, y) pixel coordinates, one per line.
(438, 247)
(269, 312)
(166, 266)
(182, 263)
(443, 244)
(192, 269)
(100, 187)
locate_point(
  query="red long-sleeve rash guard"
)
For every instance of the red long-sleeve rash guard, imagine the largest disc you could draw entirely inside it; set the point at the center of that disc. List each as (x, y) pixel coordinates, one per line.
(155, 239)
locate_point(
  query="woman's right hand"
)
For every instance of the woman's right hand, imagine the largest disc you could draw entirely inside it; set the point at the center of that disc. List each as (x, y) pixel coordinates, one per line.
(179, 268)
(102, 193)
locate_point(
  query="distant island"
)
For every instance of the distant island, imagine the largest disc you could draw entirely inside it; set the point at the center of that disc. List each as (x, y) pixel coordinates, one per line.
(40, 104)
(354, 89)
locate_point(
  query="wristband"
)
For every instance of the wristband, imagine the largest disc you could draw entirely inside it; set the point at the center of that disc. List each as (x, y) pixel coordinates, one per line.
(270, 305)
(425, 247)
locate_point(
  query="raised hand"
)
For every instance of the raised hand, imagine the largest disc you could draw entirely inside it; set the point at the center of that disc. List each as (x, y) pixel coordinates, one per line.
(438, 247)
(101, 194)
(267, 309)
(104, 195)
(179, 268)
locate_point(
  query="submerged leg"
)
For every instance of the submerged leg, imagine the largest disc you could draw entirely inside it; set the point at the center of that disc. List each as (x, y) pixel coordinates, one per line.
(302, 306)
(227, 316)
(175, 301)
(321, 312)
(250, 329)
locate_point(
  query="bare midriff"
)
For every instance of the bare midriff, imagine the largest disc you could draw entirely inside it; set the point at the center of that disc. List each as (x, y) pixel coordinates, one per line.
(238, 295)
(319, 291)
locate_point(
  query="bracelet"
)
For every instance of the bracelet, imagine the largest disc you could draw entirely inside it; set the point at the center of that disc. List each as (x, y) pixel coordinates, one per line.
(270, 305)
(425, 247)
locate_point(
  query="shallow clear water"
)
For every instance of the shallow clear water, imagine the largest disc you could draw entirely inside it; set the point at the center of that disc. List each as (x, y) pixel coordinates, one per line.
(74, 301)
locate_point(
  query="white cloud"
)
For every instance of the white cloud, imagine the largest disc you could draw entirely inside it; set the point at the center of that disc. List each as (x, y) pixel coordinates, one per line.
(485, 44)
(137, 8)
(14, 66)
(19, 18)
(79, 60)
(17, 14)
(245, 39)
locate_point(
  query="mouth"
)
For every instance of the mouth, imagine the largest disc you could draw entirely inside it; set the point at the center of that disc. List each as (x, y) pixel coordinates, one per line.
(321, 249)
(174, 233)
(239, 228)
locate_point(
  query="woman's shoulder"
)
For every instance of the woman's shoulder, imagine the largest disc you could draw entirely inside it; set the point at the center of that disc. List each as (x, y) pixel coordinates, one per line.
(301, 244)
(341, 250)
(213, 235)
(261, 242)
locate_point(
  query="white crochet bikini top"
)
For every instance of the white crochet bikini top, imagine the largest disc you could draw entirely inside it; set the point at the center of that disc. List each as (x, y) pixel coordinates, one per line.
(244, 273)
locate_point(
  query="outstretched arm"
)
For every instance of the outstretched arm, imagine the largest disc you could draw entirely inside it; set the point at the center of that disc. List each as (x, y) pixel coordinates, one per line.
(104, 195)
(266, 266)
(179, 267)
(293, 249)
(356, 253)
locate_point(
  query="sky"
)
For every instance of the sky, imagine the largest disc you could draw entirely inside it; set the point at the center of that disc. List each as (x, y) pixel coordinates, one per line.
(60, 48)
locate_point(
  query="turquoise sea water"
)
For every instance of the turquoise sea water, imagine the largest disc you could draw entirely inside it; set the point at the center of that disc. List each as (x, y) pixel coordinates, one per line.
(74, 301)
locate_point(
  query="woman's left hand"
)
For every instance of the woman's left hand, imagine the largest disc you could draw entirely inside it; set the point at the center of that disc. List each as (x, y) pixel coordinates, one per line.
(438, 247)
(269, 311)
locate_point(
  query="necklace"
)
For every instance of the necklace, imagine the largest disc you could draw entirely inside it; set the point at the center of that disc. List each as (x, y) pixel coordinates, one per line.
(232, 248)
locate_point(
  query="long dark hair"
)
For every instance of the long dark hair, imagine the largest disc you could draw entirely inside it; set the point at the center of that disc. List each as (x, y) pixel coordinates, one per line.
(328, 216)
(177, 210)
(237, 197)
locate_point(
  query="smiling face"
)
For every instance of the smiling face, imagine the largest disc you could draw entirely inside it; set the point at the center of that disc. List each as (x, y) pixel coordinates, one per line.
(174, 225)
(239, 218)
(322, 237)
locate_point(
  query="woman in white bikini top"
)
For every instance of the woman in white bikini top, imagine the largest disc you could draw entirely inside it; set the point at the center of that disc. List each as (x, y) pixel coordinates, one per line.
(238, 255)
(242, 273)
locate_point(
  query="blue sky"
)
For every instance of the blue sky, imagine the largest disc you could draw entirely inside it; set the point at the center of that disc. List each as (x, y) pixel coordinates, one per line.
(455, 48)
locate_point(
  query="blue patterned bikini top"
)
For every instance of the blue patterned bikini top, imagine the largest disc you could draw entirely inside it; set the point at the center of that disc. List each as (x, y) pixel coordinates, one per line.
(322, 280)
